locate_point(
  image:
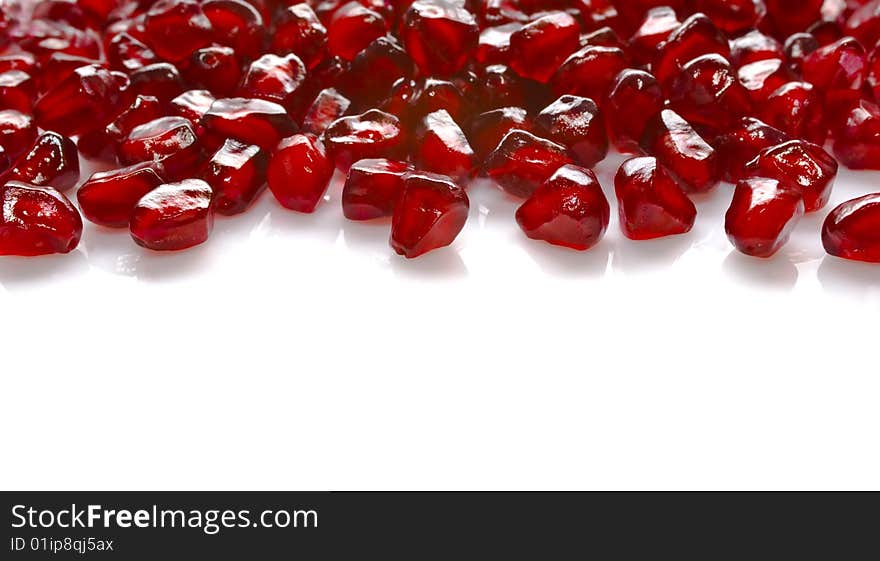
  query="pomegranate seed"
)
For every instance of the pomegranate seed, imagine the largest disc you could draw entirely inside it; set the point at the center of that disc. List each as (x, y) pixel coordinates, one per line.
(128, 54)
(569, 209)
(176, 28)
(236, 24)
(826, 32)
(796, 108)
(589, 72)
(762, 78)
(857, 143)
(430, 213)
(173, 216)
(864, 23)
(522, 161)
(215, 69)
(682, 151)
(441, 147)
(872, 80)
(327, 107)
(439, 35)
(372, 188)
(575, 122)
(501, 87)
(838, 66)
(237, 175)
(277, 79)
(43, 38)
(299, 31)
(603, 37)
(852, 230)
(790, 16)
(26, 62)
(161, 80)
(299, 172)
(434, 95)
(17, 132)
(353, 27)
(650, 202)
(374, 134)
(143, 110)
(487, 129)
(250, 121)
(17, 91)
(754, 46)
(797, 48)
(169, 140)
(375, 70)
(58, 67)
(494, 44)
(658, 24)
(51, 161)
(732, 16)
(631, 12)
(742, 144)
(108, 197)
(37, 220)
(634, 99)
(192, 105)
(762, 215)
(65, 11)
(799, 165)
(708, 94)
(696, 36)
(540, 47)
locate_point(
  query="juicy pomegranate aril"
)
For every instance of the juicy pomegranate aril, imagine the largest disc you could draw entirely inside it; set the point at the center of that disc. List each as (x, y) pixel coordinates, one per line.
(430, 214)
(173, 216)
(852, 230)
(37, 220)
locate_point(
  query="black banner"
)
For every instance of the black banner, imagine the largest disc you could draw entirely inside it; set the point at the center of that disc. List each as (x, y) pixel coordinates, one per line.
(342, 525)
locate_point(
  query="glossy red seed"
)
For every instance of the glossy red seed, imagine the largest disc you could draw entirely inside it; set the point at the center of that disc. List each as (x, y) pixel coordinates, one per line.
(635, 98)
(176, 28)
(192, 105)
(797, 47)
(108, 197)
(374, 134)
(650, 203)
(708, 94)
(67, 11)
(864, 23)
(433, 95)
(762, 78)
(602, 37)
(17, 132)
(327, 107)
(430, 213)
(569, 209)
(790, 16)
(696, 36)
(237, 175)
(800, 165)
(17, 91)
(375, 70)
(216, 69)
(742, 144)
(754, 46)
(128, 54)
(299, 172)
(732, 16)
(37, 220)
(487, 129)
(501, 87)
(169, 140)
(277, 79)
(852, 230)
(58, 67)
(373, 187)
(43, 38)
(494, 44)
(631, 12)
(589, 72)
(161, 80)
(839, 66)
(24, 61)
(857, 142)
(51, 161)
(299, 31)
(251, 121)
(540, 47)
(441, 147)
(522, 161)
(762, 216)
(237, 24)
(658, 24)
(439, 35)
(173, 216)
(142, 110)
(576, 123)
(353, 27)
(83, 101)
(682, 151)
(796, 108)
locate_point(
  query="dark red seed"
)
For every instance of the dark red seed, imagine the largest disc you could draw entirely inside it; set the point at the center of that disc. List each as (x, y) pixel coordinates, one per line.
(353, 27)
(216, 69)
(192, 105)
(17, 132)
(327, 107)
(108, 197)
(762, 78)
(176, 28)
(796, 108)
(501, 87)
(732, 16)
(439, 35)
(237, 175)
(852, 230)
(857, 142)
(142, 110)
(58, 67)
(17, 91)
(708, 94)
(299, 31)
(522, 161)
(372, 188)
(129, 54)
(576, 123)
(441, 147)
(650, 202)
(754, 46)
(540, 47)
(237, 24)
(797, 48)
(37, 220)
(494, 44)
(799, 165)
(696, 36)
(742, 144)
(762, 215)
(299, 172)
(173, 216)
(839, 66)
(634, 99)
(161, 80)
(658, 24)
(374, 71)
(374, 134)
(589, 72)
(51, 161)
(169, 140)
(487, 129)
(682, 151)
(277, 79)
(790, 16)
(431, 212)
(250, 121)
(569, 209)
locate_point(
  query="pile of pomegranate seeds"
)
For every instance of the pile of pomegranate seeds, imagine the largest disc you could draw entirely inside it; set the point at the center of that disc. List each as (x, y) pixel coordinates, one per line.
(196, 107)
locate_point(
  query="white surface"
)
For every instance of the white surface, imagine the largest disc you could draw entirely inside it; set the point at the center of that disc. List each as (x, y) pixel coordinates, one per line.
(297, 352)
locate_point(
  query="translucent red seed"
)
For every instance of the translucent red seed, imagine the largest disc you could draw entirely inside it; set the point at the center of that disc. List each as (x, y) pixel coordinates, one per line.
(682, 151)
(522, 161)
(799, 165)
(439, 35)
(299, 172)
(762, 215)
(237, 175)
(169, 140)
(251, 121)
(374, 134)
(650, 202)
(37, 220)
(173, 216)
(576, 123)
(852, 230)
(431, 212)
(372, 188)
(108, 197)
(51, 161)
(441, 146)
(17, 132)
(540, 47)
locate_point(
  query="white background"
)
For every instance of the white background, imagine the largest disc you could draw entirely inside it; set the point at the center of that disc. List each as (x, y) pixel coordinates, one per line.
(298, 352)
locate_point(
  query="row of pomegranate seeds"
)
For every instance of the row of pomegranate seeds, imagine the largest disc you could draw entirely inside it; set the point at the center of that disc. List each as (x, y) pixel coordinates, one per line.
(692, 73)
